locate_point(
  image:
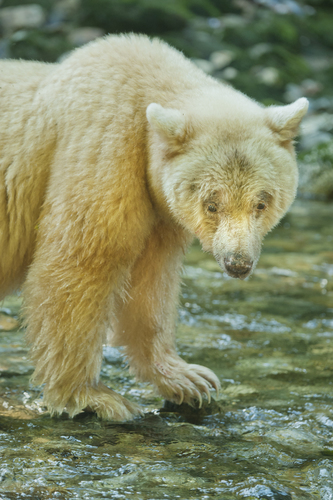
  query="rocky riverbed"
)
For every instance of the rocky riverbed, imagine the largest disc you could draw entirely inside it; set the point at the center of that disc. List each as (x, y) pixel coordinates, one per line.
(267, 436)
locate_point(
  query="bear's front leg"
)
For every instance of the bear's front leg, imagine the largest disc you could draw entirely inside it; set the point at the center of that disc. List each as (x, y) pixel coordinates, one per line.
(146, 321)
(77, 267)
(66, 325)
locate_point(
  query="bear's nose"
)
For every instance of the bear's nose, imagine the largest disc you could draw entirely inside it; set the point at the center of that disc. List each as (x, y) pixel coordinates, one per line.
(238, 266)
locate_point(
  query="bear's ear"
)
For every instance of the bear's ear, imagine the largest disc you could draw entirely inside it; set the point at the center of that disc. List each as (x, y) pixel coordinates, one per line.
(285, 120)
(169, 123)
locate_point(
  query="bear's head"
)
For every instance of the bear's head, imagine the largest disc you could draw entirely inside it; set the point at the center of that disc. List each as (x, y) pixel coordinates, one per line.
(226, 177)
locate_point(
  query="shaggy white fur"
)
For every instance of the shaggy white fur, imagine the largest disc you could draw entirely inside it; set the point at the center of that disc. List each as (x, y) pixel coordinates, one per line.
(110, 162)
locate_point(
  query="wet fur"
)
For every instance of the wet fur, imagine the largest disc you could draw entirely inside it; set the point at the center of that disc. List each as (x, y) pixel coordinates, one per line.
(98, 205)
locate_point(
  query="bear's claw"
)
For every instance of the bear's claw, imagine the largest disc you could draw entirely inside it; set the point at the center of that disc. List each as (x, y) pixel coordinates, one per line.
(180, 382)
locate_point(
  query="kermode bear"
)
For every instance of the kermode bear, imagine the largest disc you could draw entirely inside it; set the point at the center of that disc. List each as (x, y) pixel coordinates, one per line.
(111, 162)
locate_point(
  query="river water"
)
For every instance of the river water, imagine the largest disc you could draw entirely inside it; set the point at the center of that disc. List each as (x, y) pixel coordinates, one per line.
(268, 436)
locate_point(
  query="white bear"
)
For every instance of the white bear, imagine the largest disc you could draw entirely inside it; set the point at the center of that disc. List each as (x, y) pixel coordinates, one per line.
(110, 163)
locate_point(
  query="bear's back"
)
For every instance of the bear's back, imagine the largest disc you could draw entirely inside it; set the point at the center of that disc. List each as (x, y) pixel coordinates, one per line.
(19, 81)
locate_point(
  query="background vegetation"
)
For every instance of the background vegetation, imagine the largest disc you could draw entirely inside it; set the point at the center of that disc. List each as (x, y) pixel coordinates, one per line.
(273, 50)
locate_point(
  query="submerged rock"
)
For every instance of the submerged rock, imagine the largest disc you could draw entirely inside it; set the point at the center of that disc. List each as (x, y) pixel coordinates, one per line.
(8, 323)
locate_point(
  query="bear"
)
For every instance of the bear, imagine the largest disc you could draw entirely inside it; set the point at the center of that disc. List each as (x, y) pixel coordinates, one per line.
(112, 161)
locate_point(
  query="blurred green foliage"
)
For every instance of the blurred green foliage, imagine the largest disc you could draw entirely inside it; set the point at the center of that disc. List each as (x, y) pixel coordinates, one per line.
(275, 57)
(147, 16)
(318, 166)
(39, 45)
(296, 47)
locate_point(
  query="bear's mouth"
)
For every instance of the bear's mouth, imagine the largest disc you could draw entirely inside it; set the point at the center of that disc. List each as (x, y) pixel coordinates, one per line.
(239, 274)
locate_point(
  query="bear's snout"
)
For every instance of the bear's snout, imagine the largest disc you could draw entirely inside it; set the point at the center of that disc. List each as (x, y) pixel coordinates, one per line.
(237, 265)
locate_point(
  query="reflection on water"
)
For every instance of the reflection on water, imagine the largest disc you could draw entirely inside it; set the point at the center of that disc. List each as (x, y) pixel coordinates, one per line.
(269, 339)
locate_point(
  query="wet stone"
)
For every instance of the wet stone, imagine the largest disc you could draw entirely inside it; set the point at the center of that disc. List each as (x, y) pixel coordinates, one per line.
(8, 323)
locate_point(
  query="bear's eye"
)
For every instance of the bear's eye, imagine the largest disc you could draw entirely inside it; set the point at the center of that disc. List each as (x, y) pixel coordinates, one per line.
(212, 207)
(261, 206)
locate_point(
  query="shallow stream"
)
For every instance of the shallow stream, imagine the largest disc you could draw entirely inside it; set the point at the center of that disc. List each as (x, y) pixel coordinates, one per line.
(269, 435)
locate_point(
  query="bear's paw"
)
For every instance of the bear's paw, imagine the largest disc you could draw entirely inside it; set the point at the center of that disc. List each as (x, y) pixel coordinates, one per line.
(106, 403)
(180, 382)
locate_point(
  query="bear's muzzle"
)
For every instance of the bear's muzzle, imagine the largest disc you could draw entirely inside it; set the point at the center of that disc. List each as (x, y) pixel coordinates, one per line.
(237, 265)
